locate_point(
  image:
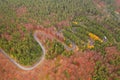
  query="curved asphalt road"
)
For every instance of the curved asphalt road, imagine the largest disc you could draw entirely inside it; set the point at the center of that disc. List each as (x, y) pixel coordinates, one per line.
(41, 58)
(35, 65)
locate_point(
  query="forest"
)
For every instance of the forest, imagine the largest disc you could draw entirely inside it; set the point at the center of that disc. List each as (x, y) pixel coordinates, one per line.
(90, 28)
(20, 45)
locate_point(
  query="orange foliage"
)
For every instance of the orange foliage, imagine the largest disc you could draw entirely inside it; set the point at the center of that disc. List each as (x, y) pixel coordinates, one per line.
(77, 48)
(70, 45)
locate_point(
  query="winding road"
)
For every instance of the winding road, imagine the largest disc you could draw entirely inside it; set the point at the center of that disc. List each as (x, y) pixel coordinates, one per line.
(23, 67)
(41, 58)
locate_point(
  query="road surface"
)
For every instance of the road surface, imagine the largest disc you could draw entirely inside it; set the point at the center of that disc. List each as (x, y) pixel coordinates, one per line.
(41, 58)
(35, 65)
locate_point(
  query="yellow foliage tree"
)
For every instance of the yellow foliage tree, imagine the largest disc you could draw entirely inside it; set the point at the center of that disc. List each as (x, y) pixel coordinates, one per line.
(95, 37)
(75, 22)
(90, 46)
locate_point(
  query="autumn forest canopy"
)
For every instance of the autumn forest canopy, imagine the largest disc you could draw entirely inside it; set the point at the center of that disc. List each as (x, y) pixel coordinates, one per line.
(65, 27)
